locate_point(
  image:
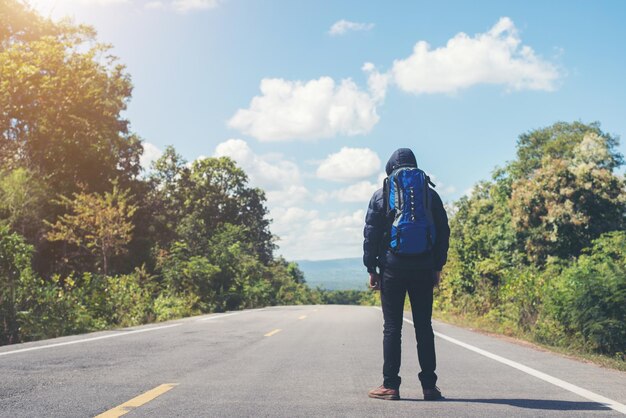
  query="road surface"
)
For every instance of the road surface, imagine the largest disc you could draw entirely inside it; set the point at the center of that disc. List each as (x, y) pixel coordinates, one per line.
(292, 361)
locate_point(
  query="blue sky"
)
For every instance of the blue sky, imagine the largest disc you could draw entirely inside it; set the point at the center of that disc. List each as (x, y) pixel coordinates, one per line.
(336, 103)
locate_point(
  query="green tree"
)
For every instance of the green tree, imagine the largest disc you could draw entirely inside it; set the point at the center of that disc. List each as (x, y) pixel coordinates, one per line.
(483, 245)
(242, 274)
(199, 231)
(559, 141)
(566, 203)
(23, 201)
(15, 258)
(194, 201)
(190, 276)
(97, 223)
(20, 23)
(290, 289)
(216, 193)
(516, 242)
(61, 98)
(164, 198)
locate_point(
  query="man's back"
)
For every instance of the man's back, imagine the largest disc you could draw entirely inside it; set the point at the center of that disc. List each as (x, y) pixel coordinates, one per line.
(376, 252)
(395, 275)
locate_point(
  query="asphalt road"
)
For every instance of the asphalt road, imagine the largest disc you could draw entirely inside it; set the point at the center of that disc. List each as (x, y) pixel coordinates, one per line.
(292, 361)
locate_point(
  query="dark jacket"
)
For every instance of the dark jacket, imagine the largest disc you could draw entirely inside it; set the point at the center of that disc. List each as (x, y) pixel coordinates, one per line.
(376, 252)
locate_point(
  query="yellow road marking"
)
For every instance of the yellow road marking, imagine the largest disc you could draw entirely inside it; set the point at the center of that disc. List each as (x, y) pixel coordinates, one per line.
(269, 334)
(302, 317)
(136, 402)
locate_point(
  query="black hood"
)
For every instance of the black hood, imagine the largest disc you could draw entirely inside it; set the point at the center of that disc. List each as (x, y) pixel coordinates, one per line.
(402, 157)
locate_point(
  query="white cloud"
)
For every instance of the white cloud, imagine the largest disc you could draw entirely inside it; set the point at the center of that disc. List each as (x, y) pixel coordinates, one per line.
(324, 108)
(280, 178)
(288, 220)
(288, 196)
(469, 192)
(184, 6)
(304, 232)
(381, 178)
(154, 5)
(150, 154)
(305, 235)
(99, 2)
(442, 189)
(315, 109)
(494, 57)
(376, 82)
(61, 8)
(267, 171)
(360, 192)
(446, 190)
(349, 164)
(342, 26)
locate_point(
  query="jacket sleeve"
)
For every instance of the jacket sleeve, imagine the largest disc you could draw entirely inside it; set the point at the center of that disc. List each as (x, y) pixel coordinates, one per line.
(442, 241)
(373, 231)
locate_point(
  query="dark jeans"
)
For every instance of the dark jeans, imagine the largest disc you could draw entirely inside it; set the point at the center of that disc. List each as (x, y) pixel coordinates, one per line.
(395, 285)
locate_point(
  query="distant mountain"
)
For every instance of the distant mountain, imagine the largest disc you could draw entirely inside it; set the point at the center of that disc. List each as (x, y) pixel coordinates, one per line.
(338, 274)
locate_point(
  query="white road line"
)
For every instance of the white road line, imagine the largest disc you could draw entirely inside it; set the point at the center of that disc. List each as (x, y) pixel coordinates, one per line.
(215, 316)
(118, 334)
(102, 337)
(219, 316)
(536, 373)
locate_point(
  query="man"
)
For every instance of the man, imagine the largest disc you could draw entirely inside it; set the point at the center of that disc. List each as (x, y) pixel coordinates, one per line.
(399, 273)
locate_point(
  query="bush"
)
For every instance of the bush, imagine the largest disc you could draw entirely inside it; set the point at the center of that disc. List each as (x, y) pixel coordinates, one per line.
(589, 297)
(191, 275)
(168, 306)
(520, 299)
(57, 307)
(128, 301)
(15, 258)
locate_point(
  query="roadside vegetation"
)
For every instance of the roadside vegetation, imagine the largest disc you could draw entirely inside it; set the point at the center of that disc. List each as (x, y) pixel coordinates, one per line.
(88, 240)
(539, 250)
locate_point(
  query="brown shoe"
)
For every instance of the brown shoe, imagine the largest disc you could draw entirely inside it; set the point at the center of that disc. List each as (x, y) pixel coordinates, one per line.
(381, 392)
(432, 394)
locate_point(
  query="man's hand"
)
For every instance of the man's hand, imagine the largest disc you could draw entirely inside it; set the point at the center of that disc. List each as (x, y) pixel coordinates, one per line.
(374, 281)
(437, 279)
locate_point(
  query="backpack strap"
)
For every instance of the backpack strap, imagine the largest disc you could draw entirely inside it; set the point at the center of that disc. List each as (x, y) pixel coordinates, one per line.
(386, 195)
(428, 199)
(389, 216)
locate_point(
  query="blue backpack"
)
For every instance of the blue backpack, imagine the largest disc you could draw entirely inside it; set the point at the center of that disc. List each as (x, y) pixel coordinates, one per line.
(408, 201)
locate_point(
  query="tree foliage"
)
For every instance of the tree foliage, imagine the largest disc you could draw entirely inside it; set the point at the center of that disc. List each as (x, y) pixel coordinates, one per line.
(543, 221)
(589, 298)
(61, 97)
(97, 223)
(206, 195)
(566, 203)
(14, 268)
(109, 247)
(23, 202)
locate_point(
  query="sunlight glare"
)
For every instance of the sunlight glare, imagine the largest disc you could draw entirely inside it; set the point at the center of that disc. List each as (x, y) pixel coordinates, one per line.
(58, 8)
